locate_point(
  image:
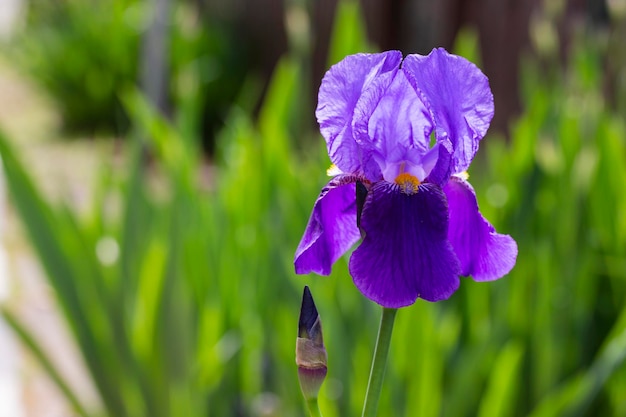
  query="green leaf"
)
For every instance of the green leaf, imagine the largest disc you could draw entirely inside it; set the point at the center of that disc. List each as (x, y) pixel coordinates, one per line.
(36, 350)
(502, 389)
(349, 35)
(56, 240)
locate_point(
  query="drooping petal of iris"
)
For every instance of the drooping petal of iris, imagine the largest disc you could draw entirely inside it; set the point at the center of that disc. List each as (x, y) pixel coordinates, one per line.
(482, 253)
(400, 134)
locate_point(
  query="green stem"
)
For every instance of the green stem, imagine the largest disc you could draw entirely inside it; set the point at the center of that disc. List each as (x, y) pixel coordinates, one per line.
(379, 363)
(314, 408)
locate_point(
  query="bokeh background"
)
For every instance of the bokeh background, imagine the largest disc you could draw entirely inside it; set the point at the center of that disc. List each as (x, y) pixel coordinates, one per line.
(160, 160)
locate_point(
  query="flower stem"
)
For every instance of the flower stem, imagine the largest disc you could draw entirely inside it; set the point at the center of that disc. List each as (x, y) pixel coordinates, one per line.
(379, 362)
(314, 408)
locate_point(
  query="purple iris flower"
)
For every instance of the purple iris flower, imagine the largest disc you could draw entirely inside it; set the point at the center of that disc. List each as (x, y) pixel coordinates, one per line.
(401, 134)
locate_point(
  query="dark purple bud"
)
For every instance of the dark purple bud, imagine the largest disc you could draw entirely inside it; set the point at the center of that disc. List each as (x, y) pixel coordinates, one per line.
(311, 355)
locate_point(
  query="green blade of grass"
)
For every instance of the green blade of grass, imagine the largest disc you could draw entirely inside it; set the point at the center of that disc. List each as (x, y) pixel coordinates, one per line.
(574, 397)
(499, 399)
(36, 350)
(349, 34)
(49, 238)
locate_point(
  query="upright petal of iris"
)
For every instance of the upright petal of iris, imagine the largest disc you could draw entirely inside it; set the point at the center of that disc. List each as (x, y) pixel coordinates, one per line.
(394, 124)
(331, 230)
(483, 253)
(405, 253)
(341, 88)
(460, 98)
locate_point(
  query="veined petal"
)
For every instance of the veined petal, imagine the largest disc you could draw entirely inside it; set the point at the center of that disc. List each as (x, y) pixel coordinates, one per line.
(332, 228)
(405, 253)
(341, 88)
(392, 121)
(483, 253)
(460, 98)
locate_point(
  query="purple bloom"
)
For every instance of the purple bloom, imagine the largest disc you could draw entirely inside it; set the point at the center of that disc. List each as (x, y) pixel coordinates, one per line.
(401, 134)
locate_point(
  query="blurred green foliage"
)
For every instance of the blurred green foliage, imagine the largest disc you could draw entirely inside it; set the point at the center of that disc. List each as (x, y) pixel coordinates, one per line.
(82, 53)
(198, 314)
(85, 52)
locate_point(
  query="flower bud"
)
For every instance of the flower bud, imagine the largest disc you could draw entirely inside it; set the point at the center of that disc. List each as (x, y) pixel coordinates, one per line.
(311, 355)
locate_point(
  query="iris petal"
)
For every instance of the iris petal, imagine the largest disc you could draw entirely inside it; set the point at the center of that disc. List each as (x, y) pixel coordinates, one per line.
(441, 153)
(405, 253)
(460, 99)
(392, 121)
(483, 253)
(341, 88)
(331, 230)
